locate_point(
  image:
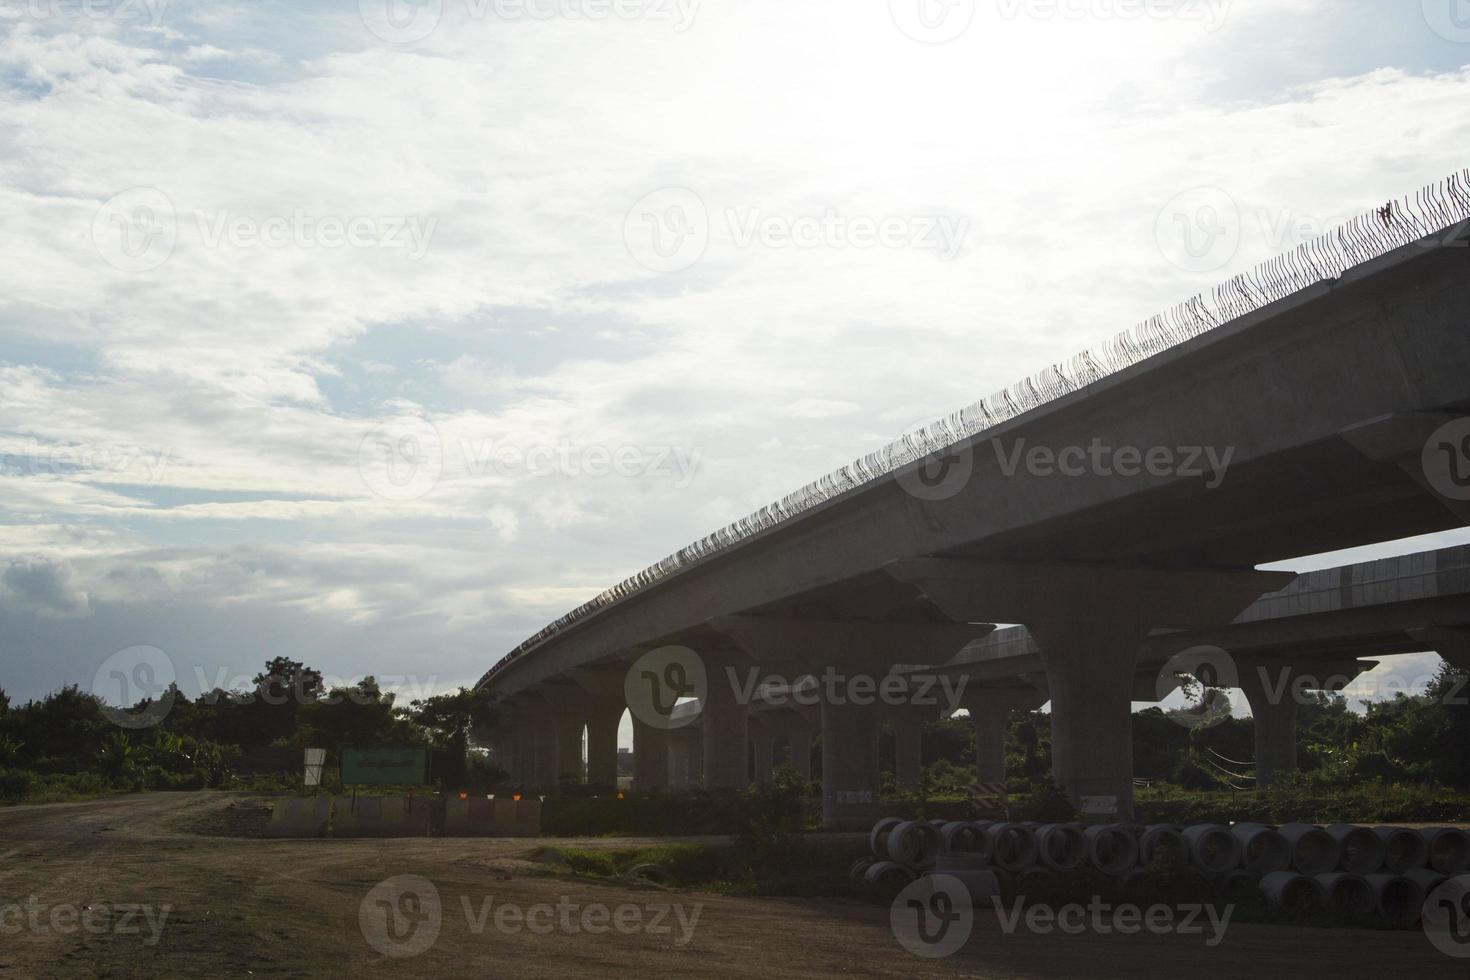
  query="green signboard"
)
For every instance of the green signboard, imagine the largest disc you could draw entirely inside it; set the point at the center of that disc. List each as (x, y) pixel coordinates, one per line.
(384, 767)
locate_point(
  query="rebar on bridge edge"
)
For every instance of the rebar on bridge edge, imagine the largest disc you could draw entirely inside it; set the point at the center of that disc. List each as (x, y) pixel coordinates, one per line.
(1435, 210)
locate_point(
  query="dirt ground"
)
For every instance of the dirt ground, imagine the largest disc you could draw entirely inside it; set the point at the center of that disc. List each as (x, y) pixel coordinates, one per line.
(240, 907)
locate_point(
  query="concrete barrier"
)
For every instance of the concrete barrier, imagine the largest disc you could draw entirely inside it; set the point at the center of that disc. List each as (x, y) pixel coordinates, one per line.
(300, 817)
(528, 818)
(380, 816)
(482, 817)
(474, 817)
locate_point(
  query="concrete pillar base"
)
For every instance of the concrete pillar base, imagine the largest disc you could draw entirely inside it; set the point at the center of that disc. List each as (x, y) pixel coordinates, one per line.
(908, 749)
(604, 715)
(569, 746)
(650, 757)
(800, 745)
(1090, 666)
(726, 725)
(850, 781)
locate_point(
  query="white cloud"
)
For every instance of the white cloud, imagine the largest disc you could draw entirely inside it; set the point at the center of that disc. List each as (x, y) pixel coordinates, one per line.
(195, 429)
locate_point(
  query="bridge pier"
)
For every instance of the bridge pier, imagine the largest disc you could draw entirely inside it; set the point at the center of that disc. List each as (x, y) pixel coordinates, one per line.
(908, 724)
(569, 744)
(1090, 666)
(726, 724)
(650, 757)
(694, 747)
(849, 659)
(603, 715)
(1274, 720)
(1274, 688)
(763, 744)
(1090, 622)
(990, 716)
(851, 785)
(504, 747)
(546, 737)
(799, 747)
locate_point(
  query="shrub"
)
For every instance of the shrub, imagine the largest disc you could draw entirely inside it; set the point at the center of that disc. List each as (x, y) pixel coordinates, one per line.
(15, 784)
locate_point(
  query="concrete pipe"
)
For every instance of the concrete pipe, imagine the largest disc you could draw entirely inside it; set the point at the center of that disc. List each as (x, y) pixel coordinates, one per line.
(1262, 849)
(1360, 850)
(1212, 848)
(878, 837)
(983, 886)
(1313, 850)
(1111, 848)
(889, 875)
(1130, 881)
(859, 868)
(1292, 893)
(1426, 878)
(1061, 846)
(1034, 877)
(1235, 886)
(1348, 894)
(1012, 847)
(962, 837)
(1162, 841)
(1399, 900)
(1403, 849)
(961, 861)
(914, 843)
(1449, 849)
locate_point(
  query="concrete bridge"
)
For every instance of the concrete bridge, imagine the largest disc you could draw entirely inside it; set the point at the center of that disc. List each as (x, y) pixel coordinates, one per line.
(1296, 410)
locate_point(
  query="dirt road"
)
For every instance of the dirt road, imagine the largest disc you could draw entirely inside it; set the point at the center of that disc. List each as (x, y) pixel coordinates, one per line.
(130, 887)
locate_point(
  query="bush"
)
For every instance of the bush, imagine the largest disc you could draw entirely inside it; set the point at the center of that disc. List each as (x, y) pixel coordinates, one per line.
(15, 784)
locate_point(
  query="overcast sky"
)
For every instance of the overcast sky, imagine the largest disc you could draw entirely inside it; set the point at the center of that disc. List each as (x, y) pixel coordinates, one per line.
(616, 278)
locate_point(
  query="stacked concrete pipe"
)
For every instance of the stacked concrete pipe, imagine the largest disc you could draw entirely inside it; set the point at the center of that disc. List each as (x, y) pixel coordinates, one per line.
(1212, 848)
(1449, 849)
(1112, 848)
(1263, 849)
(1012, 847)
(1293, 893)
(1061, 846)
(1403, 849)
(1398, 899)
(1361, 851)
(1313, 850)
(1348, 894)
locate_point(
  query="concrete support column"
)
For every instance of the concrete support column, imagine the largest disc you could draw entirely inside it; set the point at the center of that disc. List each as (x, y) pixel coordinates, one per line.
(726, 725)
(800, 741)
(525, 755)
(1090, 665)
(546, 763)
(850, 779)
(604, 715)
(990, 744)
(764, 744)
(650, 757)
(693, 739)
(569, 745)
(990, 715)
(1275, 720)
(908, 748)
(504, 748)
(678, 760)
